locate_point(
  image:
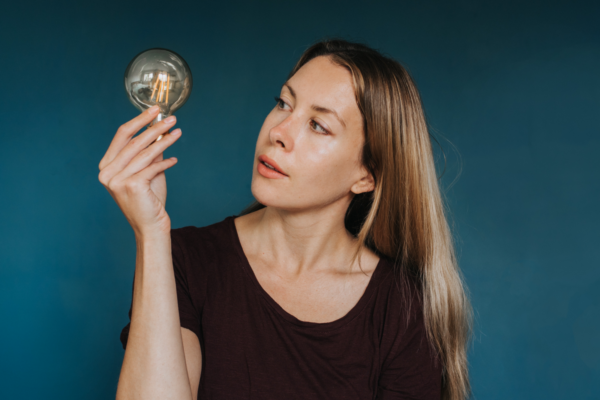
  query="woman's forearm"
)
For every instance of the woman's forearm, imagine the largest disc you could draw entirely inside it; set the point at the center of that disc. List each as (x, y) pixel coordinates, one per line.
(154, 364)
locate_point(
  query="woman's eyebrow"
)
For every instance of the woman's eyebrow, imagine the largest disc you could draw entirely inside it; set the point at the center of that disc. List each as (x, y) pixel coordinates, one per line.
(290, 89)
(318, 108)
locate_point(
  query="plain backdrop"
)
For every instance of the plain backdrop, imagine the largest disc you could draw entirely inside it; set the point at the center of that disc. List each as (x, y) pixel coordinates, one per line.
(511, 91)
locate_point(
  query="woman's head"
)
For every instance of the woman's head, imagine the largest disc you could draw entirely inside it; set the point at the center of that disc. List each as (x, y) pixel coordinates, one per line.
(380, 168)
(314, 135)
(377, 152)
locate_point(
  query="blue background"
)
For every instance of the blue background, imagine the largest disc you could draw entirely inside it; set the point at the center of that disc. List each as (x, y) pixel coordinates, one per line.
(511, 90)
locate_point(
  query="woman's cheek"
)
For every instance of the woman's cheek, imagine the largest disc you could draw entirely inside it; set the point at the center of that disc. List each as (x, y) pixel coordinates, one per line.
(320, 148)
(335, 164)
(324, 155)
(322, 169)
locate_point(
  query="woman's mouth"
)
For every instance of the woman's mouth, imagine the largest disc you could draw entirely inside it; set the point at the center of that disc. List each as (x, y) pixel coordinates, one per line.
(269, 168)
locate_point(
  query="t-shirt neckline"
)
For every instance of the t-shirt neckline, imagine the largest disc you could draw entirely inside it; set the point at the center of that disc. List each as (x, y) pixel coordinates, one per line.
(350, 315)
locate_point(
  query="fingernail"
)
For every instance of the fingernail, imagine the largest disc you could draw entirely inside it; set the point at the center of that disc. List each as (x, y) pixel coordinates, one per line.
(170, 120)
(153, 109)
(176, 132)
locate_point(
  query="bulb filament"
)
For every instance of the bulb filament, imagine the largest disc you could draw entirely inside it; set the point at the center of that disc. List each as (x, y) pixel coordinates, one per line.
(163, 88)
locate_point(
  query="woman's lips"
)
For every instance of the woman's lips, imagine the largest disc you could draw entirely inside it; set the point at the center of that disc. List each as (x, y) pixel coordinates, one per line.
(271, 173)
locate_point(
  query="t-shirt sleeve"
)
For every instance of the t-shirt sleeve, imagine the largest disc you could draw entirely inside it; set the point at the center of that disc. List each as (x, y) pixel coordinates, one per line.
(412, 371)
(189, 315)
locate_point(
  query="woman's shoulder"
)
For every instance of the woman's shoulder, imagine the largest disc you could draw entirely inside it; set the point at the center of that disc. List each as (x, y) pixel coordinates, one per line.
(192, 234)
(409, 359)
(400, 290)
(195, 245)
(401, 309)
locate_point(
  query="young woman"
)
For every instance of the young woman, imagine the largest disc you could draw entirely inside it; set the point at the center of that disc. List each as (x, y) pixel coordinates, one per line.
(340, 282)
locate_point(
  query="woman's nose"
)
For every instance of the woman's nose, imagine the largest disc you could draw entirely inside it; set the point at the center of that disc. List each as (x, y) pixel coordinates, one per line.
(282, 134)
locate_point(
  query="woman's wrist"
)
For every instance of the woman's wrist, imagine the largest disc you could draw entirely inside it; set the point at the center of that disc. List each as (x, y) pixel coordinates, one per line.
(153, 238)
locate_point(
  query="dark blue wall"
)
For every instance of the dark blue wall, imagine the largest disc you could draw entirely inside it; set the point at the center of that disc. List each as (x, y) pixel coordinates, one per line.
(513, 85)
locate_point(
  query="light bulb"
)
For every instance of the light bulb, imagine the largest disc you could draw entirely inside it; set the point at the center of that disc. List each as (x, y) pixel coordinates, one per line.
(158, 76)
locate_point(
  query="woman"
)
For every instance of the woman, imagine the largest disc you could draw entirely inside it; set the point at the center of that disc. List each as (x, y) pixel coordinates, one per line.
(340, 282)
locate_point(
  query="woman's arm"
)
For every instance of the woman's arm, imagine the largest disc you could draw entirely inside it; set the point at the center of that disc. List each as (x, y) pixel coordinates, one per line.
(154, 366)
(132, 170)
(193, 359)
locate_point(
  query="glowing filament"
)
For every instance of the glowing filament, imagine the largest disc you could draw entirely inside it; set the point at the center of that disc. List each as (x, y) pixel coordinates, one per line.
(163, 88)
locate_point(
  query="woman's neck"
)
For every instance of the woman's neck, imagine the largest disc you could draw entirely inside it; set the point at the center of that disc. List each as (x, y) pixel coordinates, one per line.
(298, 242)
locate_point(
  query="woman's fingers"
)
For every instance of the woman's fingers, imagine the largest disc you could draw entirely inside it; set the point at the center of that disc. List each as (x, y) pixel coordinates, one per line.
(149, 154)
(154, 169)
(125, 133)
(152, 134)
(158, 158)
(136, 146)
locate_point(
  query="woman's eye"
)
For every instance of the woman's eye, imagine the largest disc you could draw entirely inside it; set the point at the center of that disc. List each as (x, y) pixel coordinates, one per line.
(316, 126)
(319, 128)
(280, 103)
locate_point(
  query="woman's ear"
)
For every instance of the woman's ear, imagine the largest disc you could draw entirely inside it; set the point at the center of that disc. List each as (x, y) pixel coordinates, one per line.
(365, 184)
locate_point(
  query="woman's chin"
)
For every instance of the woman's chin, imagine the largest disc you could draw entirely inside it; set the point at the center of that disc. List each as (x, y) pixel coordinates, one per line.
(296, 200)
(270, 197)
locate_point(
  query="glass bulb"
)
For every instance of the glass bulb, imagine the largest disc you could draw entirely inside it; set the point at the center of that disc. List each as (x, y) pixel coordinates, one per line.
(158, 76)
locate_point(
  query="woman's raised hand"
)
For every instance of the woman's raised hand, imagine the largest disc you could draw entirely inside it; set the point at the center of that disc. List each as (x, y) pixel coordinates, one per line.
(132, 170)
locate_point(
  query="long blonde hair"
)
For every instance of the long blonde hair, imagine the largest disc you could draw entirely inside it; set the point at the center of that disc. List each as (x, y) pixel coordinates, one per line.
(404, 218)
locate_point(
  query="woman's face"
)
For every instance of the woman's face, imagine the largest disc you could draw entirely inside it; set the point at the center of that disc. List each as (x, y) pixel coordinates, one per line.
(314, 137)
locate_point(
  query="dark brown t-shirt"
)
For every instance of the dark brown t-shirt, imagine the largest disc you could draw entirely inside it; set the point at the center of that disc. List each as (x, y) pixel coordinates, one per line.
(253, 349)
